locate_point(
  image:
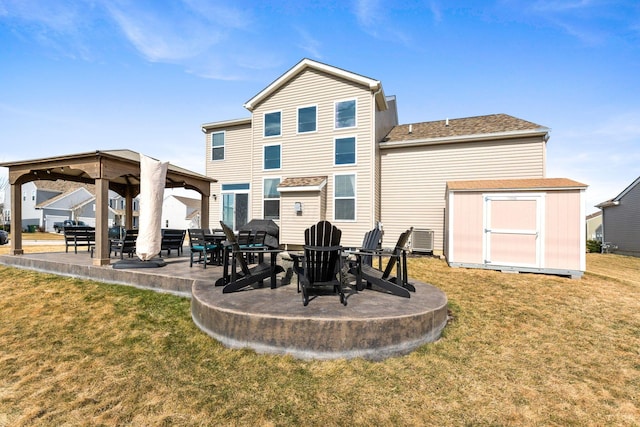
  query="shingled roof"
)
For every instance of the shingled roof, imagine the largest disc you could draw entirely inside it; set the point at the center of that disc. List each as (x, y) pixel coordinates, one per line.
(515, 184)
(452, 128)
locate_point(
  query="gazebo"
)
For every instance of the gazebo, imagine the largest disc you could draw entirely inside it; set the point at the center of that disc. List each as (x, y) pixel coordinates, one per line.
(117, 170)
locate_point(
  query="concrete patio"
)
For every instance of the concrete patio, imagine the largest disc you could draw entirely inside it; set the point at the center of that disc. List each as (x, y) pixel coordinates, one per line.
(373, 325)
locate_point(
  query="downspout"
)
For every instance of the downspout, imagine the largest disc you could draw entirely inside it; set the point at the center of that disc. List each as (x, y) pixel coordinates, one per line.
(376, 185)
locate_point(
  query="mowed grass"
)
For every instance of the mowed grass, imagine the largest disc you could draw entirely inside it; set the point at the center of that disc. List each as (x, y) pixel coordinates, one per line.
(521, 349)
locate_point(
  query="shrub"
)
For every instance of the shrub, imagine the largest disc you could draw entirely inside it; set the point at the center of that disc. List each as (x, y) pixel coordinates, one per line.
(594, 246)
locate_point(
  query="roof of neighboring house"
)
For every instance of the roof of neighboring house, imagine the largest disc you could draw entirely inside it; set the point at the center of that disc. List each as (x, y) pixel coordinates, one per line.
(188, 202)
(61, 196)
(374, 85)
(594, 215)
(616, 200)
(62, 186)
(225, 124)
(492, 126)
(515, 184)
(303, 183)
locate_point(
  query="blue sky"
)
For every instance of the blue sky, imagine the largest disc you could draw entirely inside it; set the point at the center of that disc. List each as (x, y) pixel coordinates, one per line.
(84, 75)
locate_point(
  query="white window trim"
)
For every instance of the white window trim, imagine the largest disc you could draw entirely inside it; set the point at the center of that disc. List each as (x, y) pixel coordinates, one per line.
(224, 145)
(264, 149)
(335, 104)
(264, 178)
(223, 192)
(335, 138)
(355, 198)
(298, 119)
(264, 124)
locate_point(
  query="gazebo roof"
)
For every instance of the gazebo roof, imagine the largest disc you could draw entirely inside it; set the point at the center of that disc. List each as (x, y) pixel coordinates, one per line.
(121, 167)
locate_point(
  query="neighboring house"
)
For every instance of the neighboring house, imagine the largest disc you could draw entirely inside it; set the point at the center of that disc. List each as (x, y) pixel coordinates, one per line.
(47, 202)
(621, 221)
(325, 143)
(117, 203)
(180, 212)
(68, 205)
(594, 226)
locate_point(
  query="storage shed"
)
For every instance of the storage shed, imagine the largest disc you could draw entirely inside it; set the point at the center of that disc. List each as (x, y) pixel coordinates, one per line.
(517, 225)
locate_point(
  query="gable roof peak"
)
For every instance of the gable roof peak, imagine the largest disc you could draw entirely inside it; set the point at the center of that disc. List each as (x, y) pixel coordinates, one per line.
(374, 85)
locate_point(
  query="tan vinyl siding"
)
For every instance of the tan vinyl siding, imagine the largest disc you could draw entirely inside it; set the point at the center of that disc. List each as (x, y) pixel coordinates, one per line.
(293, 224)
(235, 168)
(312, 154)
(413, 180)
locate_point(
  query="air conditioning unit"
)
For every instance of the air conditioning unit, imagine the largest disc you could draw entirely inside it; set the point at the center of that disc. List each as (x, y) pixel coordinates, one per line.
(422, 240)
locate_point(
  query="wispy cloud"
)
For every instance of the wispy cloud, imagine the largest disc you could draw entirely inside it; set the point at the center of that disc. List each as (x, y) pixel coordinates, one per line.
(604, 156)
(375, 18)
(562, 5)
(206, 37)
(58, 26)
(308, 43)
(184, 31)
(436, 11)
(593, 22)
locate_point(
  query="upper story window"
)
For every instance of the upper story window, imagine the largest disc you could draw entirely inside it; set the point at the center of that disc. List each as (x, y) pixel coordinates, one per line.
(272, 157)
(344, 199)
(217, 146)
(307, 119)
(345, 114)
(271, 199)
(345, 151)
(273, 124)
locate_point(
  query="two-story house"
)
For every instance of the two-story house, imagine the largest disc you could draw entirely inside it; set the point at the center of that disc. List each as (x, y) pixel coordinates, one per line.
(180, 212)
(621, 221)
(325, 143)
(45, 203)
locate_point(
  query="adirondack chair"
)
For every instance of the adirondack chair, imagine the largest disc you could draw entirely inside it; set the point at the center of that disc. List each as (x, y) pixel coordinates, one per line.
(365, 253)
(198, 245)
(125, 245)
(322, 261)
(397, 285)
(246, 276)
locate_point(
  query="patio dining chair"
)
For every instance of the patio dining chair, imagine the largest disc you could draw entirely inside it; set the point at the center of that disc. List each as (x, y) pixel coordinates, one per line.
(126, 245)
(198, 245)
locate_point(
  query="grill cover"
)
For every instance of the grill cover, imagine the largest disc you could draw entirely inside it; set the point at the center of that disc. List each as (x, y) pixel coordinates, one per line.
(272, 229)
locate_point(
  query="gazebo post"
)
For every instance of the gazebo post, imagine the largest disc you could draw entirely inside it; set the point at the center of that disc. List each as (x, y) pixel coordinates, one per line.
(128, 208)
(101, 255)
(16, 219)
(204, 211)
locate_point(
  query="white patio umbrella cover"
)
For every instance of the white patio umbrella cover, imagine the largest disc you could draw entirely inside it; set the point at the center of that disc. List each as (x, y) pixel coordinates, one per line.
(153, 174)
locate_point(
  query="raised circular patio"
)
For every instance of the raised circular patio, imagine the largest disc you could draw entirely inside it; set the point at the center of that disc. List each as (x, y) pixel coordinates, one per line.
(373, 325)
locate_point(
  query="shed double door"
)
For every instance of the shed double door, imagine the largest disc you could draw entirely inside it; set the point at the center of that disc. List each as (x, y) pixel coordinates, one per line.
(513, 230)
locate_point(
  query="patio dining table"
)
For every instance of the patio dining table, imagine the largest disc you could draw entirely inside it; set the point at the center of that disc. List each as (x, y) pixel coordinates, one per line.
(217, 238)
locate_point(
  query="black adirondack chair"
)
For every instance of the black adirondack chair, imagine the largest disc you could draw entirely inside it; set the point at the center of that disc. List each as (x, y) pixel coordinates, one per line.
(322, 261)
(396, 285)
(126, 245)
(246, 276)
(365, 253)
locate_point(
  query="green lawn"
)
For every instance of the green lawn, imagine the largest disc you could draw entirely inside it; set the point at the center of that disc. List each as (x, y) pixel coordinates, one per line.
(521, 349)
